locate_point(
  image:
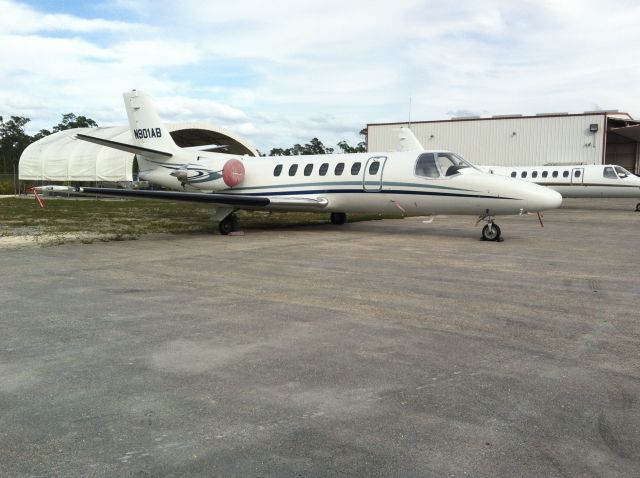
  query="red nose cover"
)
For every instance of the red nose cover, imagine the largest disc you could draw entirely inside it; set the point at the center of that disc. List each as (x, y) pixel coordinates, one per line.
(233, 172)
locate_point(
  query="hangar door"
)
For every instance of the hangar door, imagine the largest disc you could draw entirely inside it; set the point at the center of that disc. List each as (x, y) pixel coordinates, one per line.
(622, 148)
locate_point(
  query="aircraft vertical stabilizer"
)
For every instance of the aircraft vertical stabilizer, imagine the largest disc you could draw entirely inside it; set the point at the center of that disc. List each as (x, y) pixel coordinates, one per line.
(407, 141)
(146, 127)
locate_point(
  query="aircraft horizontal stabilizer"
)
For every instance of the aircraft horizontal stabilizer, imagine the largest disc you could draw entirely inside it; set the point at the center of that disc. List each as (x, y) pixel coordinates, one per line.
(129, 148)
(207, 147)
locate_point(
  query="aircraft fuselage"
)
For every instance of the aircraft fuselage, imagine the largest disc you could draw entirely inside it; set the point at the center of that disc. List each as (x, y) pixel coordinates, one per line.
(362, 182)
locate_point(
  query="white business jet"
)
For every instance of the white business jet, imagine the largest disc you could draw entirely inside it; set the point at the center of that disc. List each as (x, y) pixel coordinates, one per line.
(416, 183)
(579, 181)
(571, 181)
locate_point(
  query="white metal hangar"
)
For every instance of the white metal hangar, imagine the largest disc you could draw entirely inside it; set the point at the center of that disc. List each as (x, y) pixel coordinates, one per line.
(62, 157)
(592, 137)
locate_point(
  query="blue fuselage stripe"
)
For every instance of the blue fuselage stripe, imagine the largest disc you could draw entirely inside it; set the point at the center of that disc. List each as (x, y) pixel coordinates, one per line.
(307, 192)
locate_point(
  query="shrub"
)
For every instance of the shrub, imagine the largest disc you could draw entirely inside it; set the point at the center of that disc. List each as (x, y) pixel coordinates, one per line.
(6, 187)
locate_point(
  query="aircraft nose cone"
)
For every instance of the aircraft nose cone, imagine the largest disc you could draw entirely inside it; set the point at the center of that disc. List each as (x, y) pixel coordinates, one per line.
(543, 198)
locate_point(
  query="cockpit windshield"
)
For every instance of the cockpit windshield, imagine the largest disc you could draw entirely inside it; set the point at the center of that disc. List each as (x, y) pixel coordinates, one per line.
(622, 173)
(442, 164)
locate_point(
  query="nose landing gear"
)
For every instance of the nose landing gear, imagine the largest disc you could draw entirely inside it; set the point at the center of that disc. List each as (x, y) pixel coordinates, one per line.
(491, 231)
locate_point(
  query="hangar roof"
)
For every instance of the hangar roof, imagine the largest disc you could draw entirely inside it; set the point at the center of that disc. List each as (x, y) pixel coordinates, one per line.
(62, 157)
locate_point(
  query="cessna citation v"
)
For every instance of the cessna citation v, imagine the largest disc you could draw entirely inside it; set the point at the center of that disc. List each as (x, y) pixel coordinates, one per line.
(571, 181)
(416, 183)
(579, 181)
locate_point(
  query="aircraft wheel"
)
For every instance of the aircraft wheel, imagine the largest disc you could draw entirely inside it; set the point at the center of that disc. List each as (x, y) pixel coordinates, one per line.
(227, 225)
(338, 218)
(491, 232)
(638, 207)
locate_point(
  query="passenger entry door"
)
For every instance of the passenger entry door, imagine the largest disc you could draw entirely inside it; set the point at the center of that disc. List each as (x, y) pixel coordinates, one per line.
(372, 176)
(577, 176)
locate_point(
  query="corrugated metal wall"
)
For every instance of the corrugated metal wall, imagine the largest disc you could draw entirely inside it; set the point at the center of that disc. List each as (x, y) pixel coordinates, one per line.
(505, 141)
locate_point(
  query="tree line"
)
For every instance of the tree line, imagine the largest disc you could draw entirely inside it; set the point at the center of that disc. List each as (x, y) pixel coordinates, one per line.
(315, 146)
(14, 140)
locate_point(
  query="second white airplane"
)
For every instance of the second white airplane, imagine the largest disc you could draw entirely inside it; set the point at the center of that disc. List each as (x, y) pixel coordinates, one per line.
(579, 181)
(415, 183)
(570, 180)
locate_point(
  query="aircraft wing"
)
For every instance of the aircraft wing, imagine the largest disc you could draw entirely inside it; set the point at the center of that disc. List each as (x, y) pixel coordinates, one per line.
(129, 148)
(222, 199)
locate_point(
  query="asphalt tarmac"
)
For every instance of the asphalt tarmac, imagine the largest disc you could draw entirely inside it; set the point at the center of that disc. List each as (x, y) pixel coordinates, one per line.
(381, 348)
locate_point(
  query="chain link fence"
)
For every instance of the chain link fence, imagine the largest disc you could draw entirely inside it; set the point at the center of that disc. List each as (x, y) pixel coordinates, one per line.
(10, 184)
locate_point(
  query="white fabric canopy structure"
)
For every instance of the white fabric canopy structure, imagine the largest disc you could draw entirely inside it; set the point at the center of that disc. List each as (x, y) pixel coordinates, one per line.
(62, 157)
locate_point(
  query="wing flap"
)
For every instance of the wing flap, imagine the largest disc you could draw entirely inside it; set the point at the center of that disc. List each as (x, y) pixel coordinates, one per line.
(298, 202)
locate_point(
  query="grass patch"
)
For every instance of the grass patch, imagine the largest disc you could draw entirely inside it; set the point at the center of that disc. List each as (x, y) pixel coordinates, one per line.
(118, 220)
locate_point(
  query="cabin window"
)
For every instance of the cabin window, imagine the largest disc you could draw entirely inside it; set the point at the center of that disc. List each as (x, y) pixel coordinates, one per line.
(534, 174)
(374, 167)
(324, 167)
(576, 173)
(277, 170)
(544, 174)
(339, 169)
(426, 166)
(555, 174)
(293, 169)
(523, 174)
(609, 173)
(308, 169)
(565, 174)
(513, 174)
(355, 168)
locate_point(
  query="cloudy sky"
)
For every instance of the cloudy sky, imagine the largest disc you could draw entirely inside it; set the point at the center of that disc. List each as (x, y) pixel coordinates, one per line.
(285, 71)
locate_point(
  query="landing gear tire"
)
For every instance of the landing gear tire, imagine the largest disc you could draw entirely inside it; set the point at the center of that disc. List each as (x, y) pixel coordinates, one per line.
(638, 207)
(338, 218)
(228, 224)
(491, 232)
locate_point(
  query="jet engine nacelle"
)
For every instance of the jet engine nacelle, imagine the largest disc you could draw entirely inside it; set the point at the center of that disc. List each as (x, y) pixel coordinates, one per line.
(231, 174)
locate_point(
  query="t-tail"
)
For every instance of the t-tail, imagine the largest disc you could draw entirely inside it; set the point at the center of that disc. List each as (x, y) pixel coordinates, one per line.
(407, 141)
(151, 140)
(147, 130)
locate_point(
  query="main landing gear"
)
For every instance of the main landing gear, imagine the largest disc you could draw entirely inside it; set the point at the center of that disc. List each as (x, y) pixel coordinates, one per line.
(228, 224)
(338, 218)
(638, 207)
(491, 231)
